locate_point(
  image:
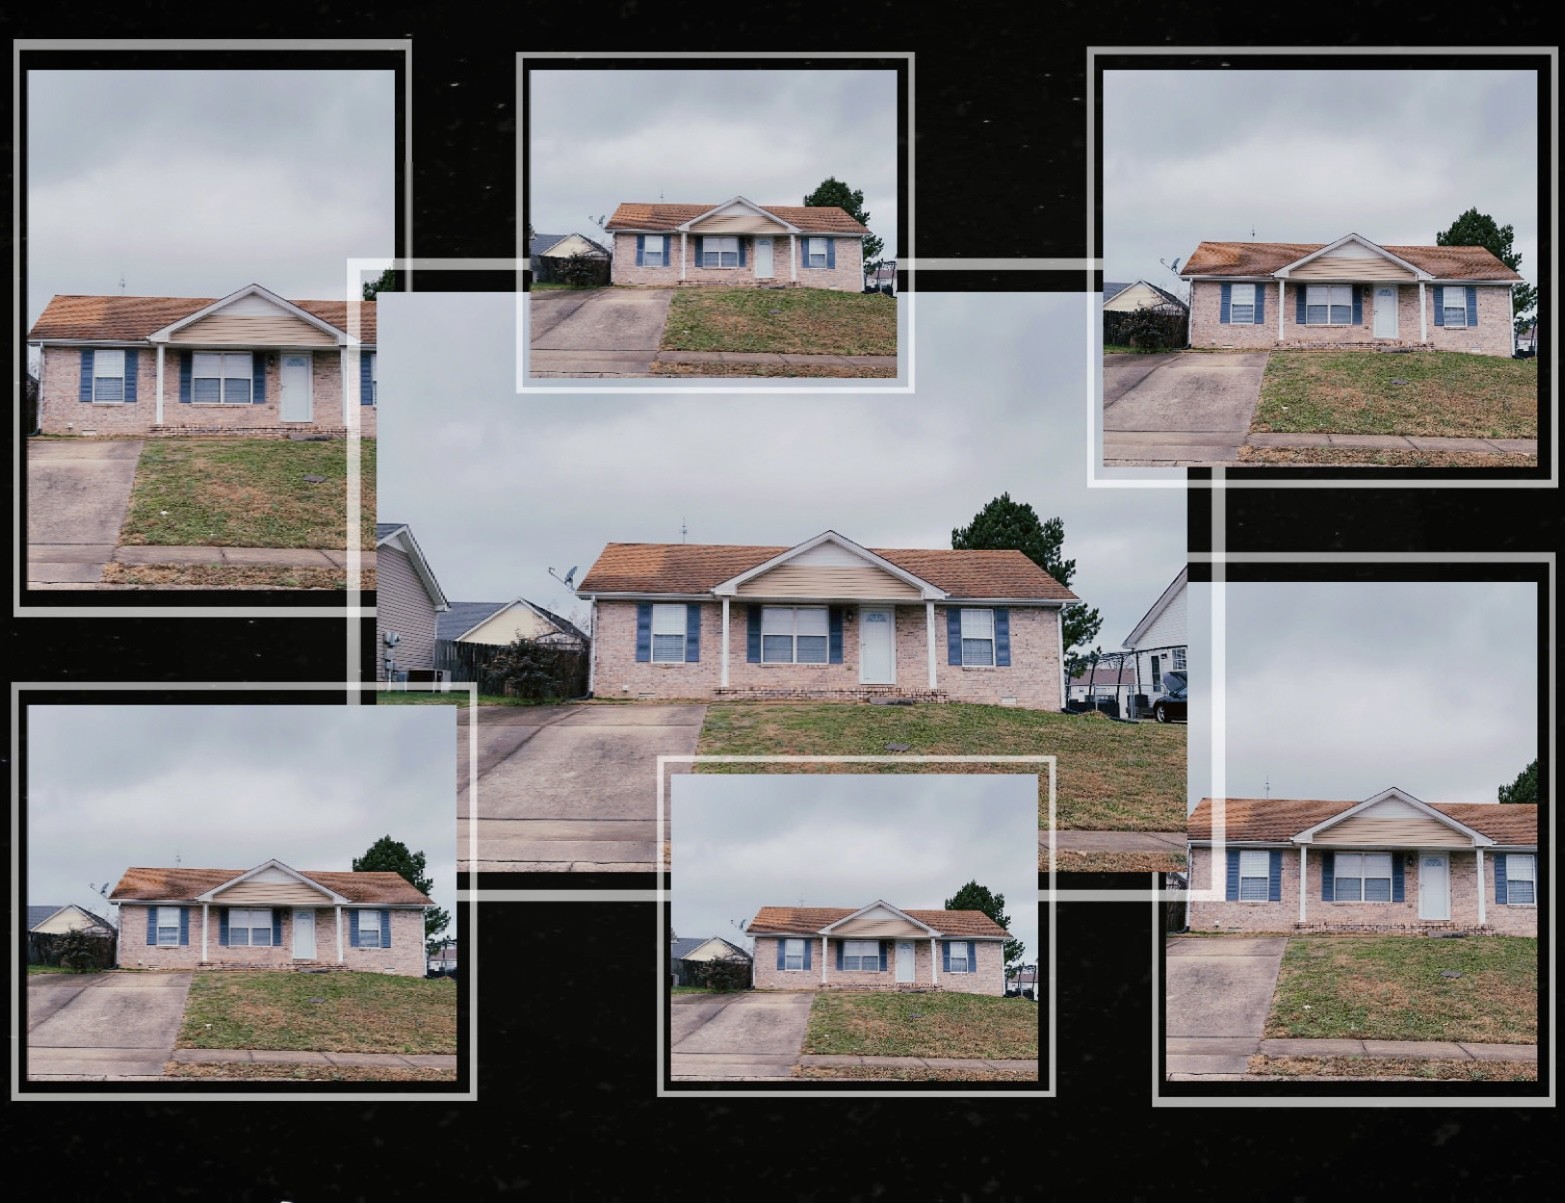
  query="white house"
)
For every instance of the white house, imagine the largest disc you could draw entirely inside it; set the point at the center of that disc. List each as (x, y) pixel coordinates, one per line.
(1159, 639)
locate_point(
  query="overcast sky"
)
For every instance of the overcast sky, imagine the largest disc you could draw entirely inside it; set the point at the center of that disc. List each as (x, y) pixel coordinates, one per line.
(230, 787)
(599, 138)
(1308, 156)
(745, 841)
(1341, 690)
(499, 487)
(196, 183)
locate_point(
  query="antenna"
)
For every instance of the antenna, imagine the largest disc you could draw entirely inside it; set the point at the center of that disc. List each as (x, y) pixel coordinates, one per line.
(122, 283)
(1252, 231)
(683, 530)
(1268, 786)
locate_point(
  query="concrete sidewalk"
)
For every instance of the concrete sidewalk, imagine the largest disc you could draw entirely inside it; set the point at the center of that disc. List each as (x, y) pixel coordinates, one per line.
(241, 557)
(982, 1063)
(778, 359)
(262, 1056)
(1114, 841)
(1226, 1058)
(1397, 442)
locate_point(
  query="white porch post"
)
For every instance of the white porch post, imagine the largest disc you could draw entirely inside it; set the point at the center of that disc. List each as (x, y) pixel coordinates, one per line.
(204, 905)
(158, 418)
(934, 961)
(1482, 888)
(338, 910)
(684, 249)
(823, 960)
(929, 638)
(1304, 888)
(1423, 317)
(347, 377)
(1282, 288)
(723, 676)
(793, 257)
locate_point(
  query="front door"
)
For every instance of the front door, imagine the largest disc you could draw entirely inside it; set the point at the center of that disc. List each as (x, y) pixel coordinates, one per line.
(904, 960)
(877, 645)
(297, 405)
(1434, 885)
(763, 258)
(1386, 311)
(304, 935)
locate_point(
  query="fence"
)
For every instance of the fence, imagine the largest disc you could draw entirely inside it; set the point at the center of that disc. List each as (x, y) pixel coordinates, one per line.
(576, 270)
(44, 948)
(1147, 329)
(524, 669)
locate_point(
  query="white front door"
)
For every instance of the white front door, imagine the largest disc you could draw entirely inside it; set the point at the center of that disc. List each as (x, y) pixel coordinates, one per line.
(1386, 311)
(1434, 885)
(904, 960)
(877, 645)
(763, 258)
(297, 405)
(304, 935)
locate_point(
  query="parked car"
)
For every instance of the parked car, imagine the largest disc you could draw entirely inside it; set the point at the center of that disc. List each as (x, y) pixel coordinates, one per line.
(1172, 705)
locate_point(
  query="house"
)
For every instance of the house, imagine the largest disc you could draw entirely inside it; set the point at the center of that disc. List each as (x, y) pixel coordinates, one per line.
(1349, 293)
(407, 600)
(270, 917)
(1107, 682)
(1527, 339)
(57, 920)
(1158, 642)
(444, 958)
(877, 947)
(547, 254)
(826, 619)
(1023, 979)
(1390, 863)
(882, 277)
(498, 624)
(1127, 298)
(249, 363)
(685, 952)
(737, 243)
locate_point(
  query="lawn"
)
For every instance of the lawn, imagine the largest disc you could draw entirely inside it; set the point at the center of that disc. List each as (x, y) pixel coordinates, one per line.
(1375, 457)
(1392, 988)
(1110, 775)
(239, 492)
(387, 697)
(790, 370)
(320, 1012)
(229, 576)
(791, 321)
(1384, 1068)
(1419, 393)
(922, 1025)
(231, 1071)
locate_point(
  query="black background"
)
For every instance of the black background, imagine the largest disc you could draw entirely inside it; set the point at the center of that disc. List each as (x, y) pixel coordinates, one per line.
(566, 1015)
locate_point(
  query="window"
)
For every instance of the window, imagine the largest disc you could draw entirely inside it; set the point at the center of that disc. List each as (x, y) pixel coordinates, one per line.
(1254, 876)
(1362, 877)
(369, 929)
(1453, 305)
(374, 376)
(108, 376)
(978, 638)
(668, 634)
(1521, 872)
(720, 252)
(793, 954)
(957, 956)
(1157, 672)
(794, 634)
(1241, 308)
(652, 250)
(814, 252)
(1328, 305)
(862, 955)
(250, 927)
(168, 925)
(1179, 659)
(221, 379)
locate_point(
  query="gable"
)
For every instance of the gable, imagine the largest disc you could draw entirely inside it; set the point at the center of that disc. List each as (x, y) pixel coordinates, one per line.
(1393, 821)
(272, 887)
(828, 570)
(878, 922)
(1341, 265)
(1139, 295)
(573, 244)
(514, 622)
(737, 218)
(252, 320)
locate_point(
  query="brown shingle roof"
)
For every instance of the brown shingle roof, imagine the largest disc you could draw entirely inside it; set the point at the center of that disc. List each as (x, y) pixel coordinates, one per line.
(125, 319)
(1277, 819)
(140, 884)
(815, 219)
(794, 919)
(658, 568)
(1263, 258)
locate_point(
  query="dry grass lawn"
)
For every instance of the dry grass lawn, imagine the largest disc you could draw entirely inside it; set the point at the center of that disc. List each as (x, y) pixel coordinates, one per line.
(698, 370)
(306, 1073)
(790, 321)
(228, 576)
(1375, 458)
(890, 1073)
(1066, 861)
(1394, 1067)
(846, 1024)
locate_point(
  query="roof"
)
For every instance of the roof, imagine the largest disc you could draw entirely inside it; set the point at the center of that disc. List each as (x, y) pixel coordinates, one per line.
(1165, 599)
(1264, 258)
(39, 914)
(814, 219)
(683, 947)
(408, 545)
(543, 242)
(789, 919)
(1110, 291)
(1125, 674)
(128, 319)
(462, 617)
(685, 568)
(1274, 820)
(145, 885)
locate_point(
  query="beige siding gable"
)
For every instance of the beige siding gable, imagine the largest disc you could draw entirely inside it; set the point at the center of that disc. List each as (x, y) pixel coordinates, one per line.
(516, 623)
(1338, 266)
(1400, 827)
(856, 580)
(738, 220)
(574, 244)
(878, 922)
(1137, 296)
(286, 892)
(253, 321)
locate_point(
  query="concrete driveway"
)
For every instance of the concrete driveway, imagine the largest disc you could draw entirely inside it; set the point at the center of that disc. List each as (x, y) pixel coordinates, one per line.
(601, 332)
(1217, 994)
(1187, 408)
(713, 1037)
(570, 787)
(103, 1025)
(78, 491)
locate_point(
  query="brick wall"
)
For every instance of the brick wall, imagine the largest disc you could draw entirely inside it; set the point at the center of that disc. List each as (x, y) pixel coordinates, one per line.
(405, 956)
(990, 978)
(403, 606)
(848, 275)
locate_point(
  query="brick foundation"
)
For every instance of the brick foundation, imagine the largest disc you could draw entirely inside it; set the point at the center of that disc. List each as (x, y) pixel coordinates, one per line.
(847, 275)
(404, 958)
(989, 979)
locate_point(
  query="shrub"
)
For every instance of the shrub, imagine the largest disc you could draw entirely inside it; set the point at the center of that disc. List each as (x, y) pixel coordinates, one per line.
(723, 975)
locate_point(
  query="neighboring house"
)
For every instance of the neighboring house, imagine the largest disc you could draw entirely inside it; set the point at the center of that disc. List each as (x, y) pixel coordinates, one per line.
(57, 920)
(1349, 293)
(444, 958)
(737, 243)
(1388, 864)
(499, 624)
(877, 947)
(1527, 337)
(1127, 298)
(1105, 683)
(883, 276)
(827, 619)
(547, 253)
(1159, 640)
(685, 952)
(250, 363)
(269, 917)
(407, 600)
(1024, 979)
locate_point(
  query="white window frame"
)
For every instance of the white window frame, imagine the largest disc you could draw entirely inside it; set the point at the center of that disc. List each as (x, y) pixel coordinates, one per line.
(775, 626)
(953, 947)
(374, 377)
(1359, 862)
(859, 951)
(168, 921)
(98, 374)
(1249, 859)
(246, 919)
(1330, 303)
(374, 918)
(1247, 305)
(647, 252)
(672, 617)
(790, 956)
(1512, 861)
(977, 636)
(1447, 309)
(1179, 659)
(722, 255)
(222, 377)
(815, 249)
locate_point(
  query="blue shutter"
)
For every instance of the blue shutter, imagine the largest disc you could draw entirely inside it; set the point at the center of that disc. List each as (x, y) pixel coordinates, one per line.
(840, 943)
(184, 925)
(1260, 304)
(831, 252)
(945, 956)
(257, 378)
(752, 635)
(1300, 291)
(385, 929)
(1358, 305)
(972, 956)
(1398, 883)
(1274, 877)
(85, 391)
(643, 632)
(277, 927)
(641, 248)
(1501, 891)
(782, 951)
(953, 635)
(1328, 876)
(1231, 890)
(366, 379)
(741, 252)
(1439, 305)
(1002, 638)
(692, 634)
(184, 377)
(885, 951)
(222, 926)
(152, 925)
(130, 374)
(834, 634)
(353, 929)
(1225, 307)
(807, 944)
(1472, 305)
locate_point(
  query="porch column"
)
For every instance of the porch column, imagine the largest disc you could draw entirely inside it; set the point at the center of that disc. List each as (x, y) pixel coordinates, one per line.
(684, 247)
(1423, 317)
(342, 364)
(338, 912)
(158, 418)
(723, 677)
(1304, 888)
(793, 257)
(204, 905)
(1282, 288)
(929, 639)
(823, 960)
(1482, 888)
(934, 961)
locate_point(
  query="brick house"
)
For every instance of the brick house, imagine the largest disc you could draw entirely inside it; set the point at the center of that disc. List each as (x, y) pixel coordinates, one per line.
(877, 947)
(407, 600)
(250, 363)
(269, 917)
(826, 619)
(737, 243)
(1349, 294)
(1390, 863)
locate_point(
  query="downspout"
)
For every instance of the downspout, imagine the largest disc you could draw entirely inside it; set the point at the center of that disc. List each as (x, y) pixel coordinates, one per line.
(592, 659)
(1189, 887)
(723, 674)
(1059, 631)
(929, 639)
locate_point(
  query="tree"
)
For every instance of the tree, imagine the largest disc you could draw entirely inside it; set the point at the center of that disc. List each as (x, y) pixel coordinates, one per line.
(386, 283)
(974, 897)
(1004, 523)
(1479, 229)
(387, 855)
(1524, 788)
(833, 191)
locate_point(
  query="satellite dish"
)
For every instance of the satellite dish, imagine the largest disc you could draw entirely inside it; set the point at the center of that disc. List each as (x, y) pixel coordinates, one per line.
(570, 576)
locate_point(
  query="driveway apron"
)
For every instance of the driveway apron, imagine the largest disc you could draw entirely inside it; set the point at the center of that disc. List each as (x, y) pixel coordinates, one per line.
(103, 1025)
(571, 787)
(1218, 992)
(605, 332)
(1178, 409)
(78, 492)
(718, 1036)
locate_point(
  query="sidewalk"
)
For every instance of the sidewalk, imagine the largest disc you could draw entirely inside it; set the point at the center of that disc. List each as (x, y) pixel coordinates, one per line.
(54, 564)
(1224, 1058)
(225, 1056)
(825, 1062)
(1397, 442)
(777, 359)
(1115, 841)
